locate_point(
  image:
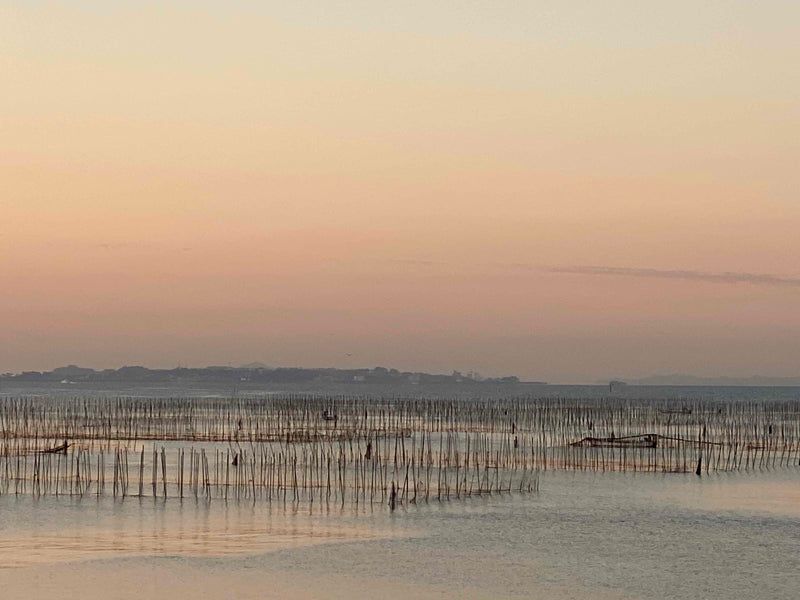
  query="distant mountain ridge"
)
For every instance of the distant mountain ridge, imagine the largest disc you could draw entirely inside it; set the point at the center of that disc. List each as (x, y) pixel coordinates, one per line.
(253, 372)
(680, 379)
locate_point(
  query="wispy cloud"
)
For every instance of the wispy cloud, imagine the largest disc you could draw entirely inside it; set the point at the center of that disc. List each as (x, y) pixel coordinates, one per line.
(120, 245)
(725, 277)
(415, 262)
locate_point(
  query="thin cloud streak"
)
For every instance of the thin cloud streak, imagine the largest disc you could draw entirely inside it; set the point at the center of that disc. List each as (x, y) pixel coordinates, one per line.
(415, 262)
(725, 277)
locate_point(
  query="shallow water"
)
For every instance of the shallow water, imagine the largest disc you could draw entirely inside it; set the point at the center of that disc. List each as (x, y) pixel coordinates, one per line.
(596, 536)
(447, 390)
(585, 535)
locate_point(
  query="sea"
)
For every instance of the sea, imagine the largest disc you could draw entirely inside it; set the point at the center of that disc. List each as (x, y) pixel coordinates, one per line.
(583, 535)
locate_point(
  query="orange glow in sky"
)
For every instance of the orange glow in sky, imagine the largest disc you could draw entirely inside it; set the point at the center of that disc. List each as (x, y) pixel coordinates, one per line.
(503, 187)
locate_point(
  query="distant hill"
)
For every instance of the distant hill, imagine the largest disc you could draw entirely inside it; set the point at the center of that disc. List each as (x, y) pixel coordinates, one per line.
(254, 365)
(254, 372)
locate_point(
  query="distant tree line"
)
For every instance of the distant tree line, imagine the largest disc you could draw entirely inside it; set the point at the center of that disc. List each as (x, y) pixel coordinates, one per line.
(75, 374)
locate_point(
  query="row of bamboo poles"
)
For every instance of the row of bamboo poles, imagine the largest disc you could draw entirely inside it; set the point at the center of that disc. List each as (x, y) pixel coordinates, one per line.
(313, 448)
(397, 471)
(310, 418)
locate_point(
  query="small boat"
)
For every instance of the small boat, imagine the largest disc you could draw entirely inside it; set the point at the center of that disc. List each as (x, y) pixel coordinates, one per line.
(685, 410)
(57, 449)
(648, 440)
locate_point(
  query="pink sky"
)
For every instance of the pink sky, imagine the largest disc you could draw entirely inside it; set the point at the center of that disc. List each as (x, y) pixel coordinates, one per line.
(404, 184)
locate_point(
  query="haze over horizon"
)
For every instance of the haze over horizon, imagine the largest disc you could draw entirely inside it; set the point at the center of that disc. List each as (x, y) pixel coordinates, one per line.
(76, 373)
(564, 191)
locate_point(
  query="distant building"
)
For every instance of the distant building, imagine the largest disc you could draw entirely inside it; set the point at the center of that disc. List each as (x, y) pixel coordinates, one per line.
(617, 387)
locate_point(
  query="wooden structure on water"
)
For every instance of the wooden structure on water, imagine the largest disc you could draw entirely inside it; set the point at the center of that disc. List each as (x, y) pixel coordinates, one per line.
(322, 450)
(647, 440)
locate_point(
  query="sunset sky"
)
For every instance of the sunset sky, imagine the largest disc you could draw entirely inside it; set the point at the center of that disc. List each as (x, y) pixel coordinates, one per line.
(565, 190)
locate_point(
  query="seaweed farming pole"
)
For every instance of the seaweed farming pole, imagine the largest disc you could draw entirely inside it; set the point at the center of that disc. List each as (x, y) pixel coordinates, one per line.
(352, 449)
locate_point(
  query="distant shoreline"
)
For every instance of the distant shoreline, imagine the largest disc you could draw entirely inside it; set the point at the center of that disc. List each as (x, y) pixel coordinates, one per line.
(251, 374)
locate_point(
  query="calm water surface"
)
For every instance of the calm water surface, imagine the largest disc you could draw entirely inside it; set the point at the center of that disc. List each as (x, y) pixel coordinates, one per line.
(612, 535)
(585, 535)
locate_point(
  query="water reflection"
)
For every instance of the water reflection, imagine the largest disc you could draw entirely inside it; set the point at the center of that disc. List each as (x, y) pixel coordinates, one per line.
(600, 536)
(57, 530)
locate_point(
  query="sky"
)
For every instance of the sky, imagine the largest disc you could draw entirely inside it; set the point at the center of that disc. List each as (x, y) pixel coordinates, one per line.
(562, 190)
